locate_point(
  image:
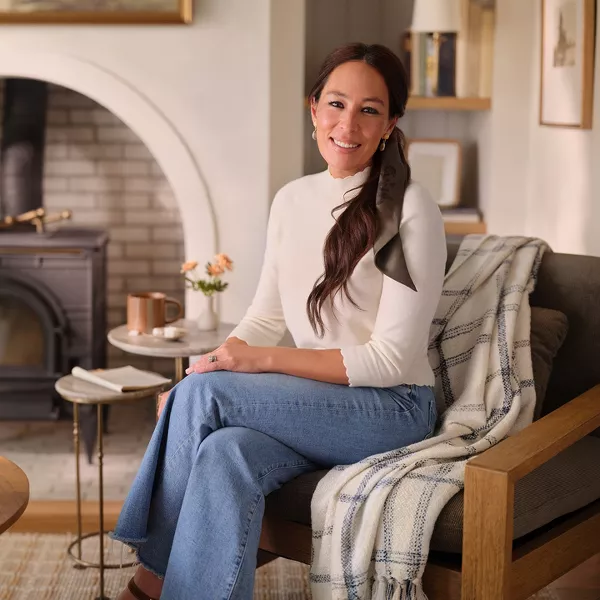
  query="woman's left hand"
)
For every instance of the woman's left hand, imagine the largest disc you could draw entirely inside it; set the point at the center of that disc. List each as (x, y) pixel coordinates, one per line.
(232, 357)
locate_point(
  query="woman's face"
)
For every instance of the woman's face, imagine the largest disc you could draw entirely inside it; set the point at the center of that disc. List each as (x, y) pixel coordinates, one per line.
(351, 117)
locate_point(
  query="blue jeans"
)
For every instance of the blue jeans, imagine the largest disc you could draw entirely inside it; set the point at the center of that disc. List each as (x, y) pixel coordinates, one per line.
(223, 442)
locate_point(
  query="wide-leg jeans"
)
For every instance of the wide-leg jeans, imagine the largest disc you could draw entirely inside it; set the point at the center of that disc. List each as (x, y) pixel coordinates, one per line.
(223, 442)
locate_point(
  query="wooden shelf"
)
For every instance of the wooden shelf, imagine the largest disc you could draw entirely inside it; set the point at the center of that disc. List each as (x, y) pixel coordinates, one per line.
(448, 103)
(464, 228)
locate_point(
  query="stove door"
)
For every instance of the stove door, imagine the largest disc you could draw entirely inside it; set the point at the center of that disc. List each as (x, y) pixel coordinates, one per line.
(22, 336)
(32, 350)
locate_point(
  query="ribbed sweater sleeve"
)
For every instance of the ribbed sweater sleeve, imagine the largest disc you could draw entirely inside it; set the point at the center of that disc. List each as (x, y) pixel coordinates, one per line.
(404, 317)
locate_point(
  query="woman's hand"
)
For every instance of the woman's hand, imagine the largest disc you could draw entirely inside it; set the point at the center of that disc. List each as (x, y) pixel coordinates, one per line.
(233, 355)
(212, 366)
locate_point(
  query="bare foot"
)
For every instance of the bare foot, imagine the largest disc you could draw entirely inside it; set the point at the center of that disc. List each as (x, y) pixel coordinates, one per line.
(149, 583)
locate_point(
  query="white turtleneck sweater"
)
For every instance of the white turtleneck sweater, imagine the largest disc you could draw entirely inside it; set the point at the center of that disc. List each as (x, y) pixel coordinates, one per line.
(384, 342)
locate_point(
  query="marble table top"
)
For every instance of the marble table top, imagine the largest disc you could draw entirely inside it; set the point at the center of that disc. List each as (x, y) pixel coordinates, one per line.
(194, 342)
(75, 389)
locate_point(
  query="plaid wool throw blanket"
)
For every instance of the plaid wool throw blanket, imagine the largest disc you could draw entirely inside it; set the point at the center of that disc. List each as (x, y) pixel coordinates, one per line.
(372, 521)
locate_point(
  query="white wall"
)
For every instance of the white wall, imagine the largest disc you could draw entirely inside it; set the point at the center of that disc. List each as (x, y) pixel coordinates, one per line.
(288, 20)
(211, 81)
(542, 181)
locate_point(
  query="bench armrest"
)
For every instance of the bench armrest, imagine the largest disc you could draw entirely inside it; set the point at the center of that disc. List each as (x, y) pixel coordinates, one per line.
(490, 488)
(539, 442)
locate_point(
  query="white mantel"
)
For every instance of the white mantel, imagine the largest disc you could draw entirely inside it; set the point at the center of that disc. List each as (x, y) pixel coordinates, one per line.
(200, 97)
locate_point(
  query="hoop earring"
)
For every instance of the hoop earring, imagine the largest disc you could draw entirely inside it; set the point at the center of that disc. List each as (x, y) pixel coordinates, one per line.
(314, 134)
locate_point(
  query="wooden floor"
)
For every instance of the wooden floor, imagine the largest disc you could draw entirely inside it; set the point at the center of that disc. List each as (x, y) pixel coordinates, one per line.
(59, 516)
(582, 583)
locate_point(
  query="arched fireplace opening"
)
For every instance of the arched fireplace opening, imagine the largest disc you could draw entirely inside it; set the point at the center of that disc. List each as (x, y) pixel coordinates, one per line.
(98, 120)
(64, 283)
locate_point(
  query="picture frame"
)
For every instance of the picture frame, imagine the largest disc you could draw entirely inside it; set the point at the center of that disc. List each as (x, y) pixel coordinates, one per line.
(567, 63)
(436, 164)
(87, 12)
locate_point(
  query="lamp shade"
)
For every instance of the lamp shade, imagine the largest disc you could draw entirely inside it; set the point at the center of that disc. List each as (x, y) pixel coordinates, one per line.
(436, 16)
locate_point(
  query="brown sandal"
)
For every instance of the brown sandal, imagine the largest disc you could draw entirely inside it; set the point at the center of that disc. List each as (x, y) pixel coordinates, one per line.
(137, 592)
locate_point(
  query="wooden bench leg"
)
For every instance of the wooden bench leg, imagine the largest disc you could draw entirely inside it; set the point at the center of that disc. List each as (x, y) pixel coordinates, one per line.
(487, 535)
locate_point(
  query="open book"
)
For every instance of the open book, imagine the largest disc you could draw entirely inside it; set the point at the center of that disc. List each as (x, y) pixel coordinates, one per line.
(122, 379)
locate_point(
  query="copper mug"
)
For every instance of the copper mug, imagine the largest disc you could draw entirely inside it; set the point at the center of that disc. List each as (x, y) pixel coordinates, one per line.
(148, 310)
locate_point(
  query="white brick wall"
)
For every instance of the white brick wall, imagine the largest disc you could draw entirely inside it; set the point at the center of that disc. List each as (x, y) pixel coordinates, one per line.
(97, 167)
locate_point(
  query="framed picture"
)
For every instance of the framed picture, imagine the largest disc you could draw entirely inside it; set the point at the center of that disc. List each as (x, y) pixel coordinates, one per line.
(567, 66)
(96, 12)
(436, 165)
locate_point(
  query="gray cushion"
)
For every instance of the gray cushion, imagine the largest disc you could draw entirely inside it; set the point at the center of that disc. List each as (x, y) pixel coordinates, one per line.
(548, 332)
(564, 484)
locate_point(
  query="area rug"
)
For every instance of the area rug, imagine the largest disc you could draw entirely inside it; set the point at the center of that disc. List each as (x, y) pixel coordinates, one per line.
(36, 566)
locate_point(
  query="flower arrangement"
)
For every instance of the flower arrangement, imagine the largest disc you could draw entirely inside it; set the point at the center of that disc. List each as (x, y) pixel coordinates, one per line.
(214, 270)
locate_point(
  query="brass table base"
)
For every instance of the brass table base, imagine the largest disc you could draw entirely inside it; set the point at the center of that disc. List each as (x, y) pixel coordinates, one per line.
(84, 564)
(81, 392)
(178, 369)
(79, 562)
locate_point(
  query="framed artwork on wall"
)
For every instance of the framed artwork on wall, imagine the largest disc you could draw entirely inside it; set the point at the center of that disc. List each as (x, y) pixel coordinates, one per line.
(567, 63)
(436, 165)
(96, 12)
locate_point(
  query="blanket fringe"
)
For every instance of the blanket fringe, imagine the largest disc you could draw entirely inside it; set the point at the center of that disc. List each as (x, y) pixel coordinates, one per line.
(390, 589)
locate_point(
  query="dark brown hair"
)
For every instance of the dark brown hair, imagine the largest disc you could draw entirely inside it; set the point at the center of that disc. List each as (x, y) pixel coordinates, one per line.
(356, 229)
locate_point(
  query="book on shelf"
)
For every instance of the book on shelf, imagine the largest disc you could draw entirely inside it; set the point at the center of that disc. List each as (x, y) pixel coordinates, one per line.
(424, 66)
(446, 73)
(414, 48)
(121, 379)
(431, 64)
(461, 214)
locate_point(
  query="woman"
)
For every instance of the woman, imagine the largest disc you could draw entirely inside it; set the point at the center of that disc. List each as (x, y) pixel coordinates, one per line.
(353, 267)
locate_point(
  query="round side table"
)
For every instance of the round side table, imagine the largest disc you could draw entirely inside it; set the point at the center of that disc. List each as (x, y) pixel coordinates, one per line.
(79, 391)
(14, 493)
(194, 342)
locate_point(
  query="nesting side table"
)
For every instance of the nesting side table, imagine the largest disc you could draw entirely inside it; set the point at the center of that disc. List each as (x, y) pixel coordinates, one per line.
(79, 391)
(14, 493)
